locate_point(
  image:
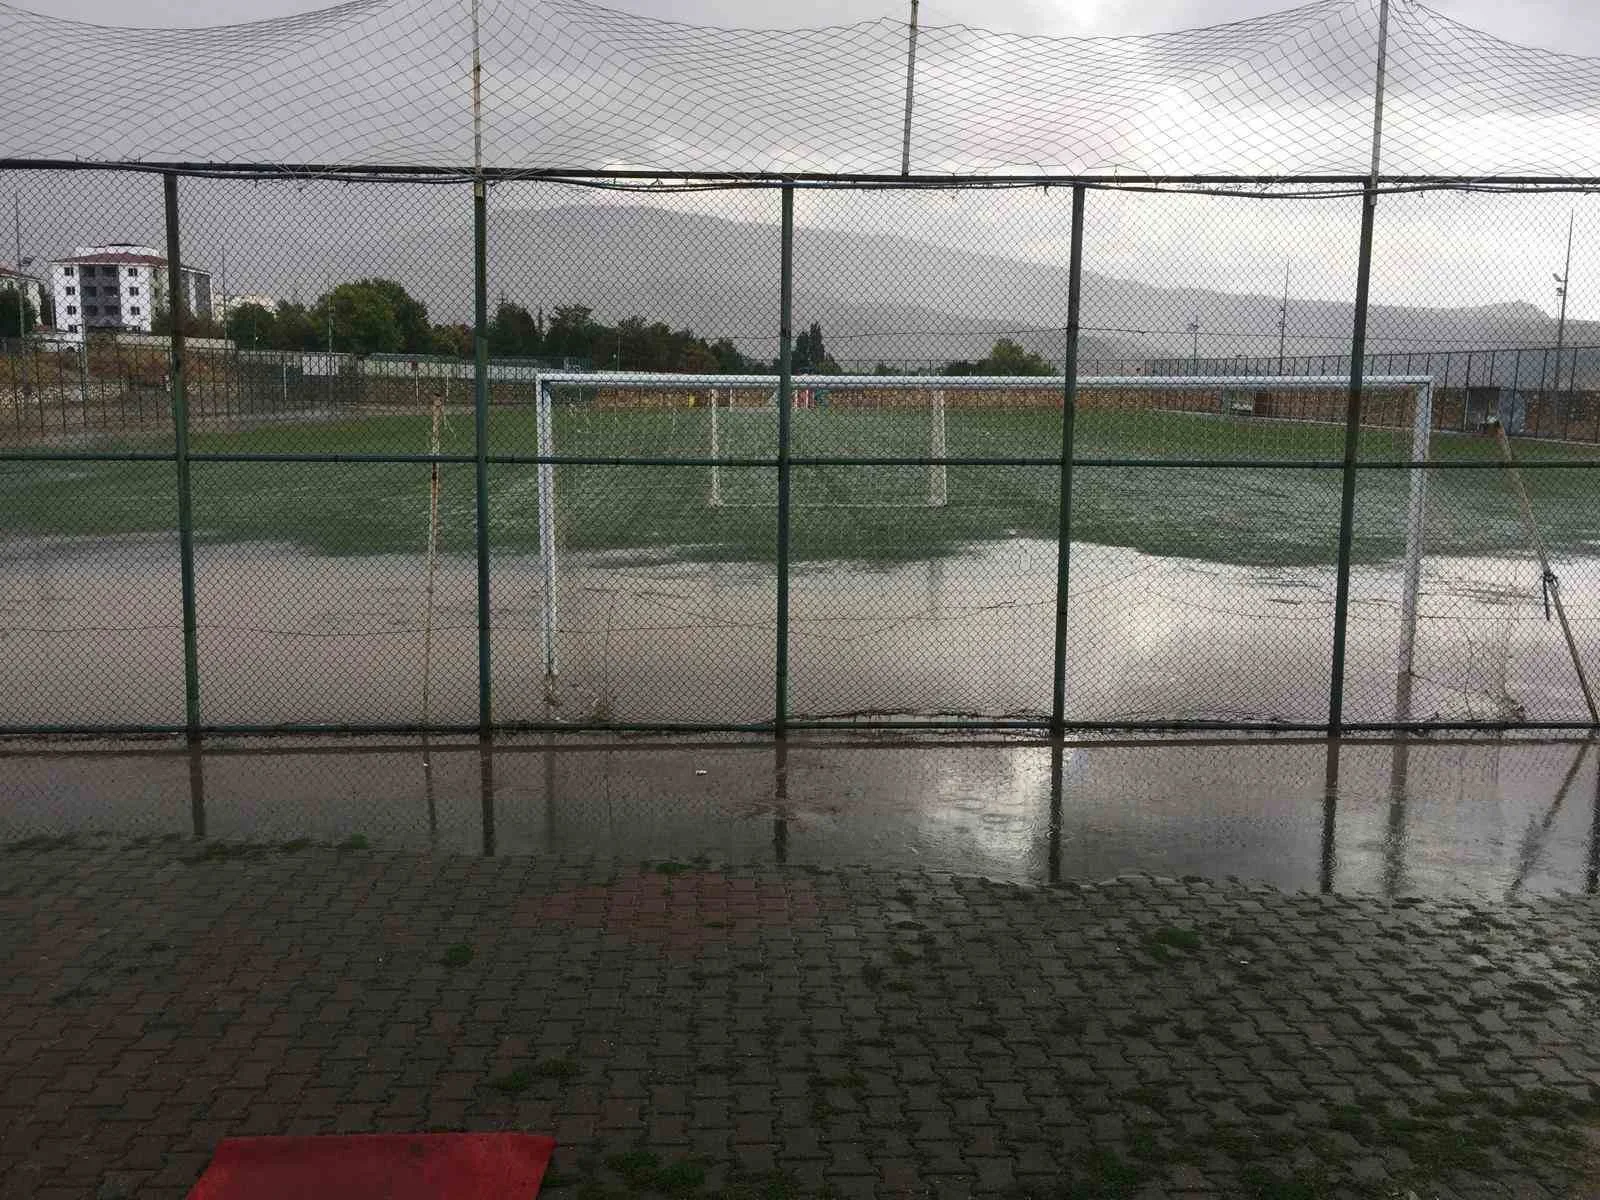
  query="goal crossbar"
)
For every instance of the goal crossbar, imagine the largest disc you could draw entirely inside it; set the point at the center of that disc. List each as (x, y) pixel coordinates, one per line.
(654, 379)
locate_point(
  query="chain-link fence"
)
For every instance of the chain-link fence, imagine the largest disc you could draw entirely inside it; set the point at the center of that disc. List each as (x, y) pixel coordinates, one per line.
(540, 365)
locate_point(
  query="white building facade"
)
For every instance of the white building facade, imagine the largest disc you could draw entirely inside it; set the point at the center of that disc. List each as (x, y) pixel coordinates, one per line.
(117, 287)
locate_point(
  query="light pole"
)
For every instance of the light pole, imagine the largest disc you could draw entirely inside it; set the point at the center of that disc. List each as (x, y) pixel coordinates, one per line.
(1283, 317)
(1561, 294)
(22, 300)
(1194, 347)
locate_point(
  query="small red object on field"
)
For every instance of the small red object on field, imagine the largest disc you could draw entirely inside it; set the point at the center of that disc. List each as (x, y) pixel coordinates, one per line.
(378, 1166)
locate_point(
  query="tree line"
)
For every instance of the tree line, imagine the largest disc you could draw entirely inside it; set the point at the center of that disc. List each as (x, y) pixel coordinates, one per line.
(378, 316)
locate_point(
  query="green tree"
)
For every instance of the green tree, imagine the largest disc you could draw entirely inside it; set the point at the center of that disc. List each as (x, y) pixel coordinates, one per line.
(292, 328)
(252, 327)
(196, 327)
(371, 316)
(452, 341)
(1005, 358)
(572, 332)
(410, 314)
(356, 319)
(810, 356)
(515, 332)
(10, 297)
(730, 359)
(1009, 358)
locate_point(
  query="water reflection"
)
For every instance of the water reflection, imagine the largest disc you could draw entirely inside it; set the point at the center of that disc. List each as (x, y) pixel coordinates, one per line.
(1494, 817)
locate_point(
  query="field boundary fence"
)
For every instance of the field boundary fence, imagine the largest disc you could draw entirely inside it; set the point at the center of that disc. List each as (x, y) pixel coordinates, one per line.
(1088, 500)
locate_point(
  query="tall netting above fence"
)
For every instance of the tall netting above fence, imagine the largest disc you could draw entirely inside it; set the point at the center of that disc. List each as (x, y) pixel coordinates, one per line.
(569, 86)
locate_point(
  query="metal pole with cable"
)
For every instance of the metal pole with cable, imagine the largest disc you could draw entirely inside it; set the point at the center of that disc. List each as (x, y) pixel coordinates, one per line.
(780, 720)
(1552, 586)
(911, 81)
(480, 378)
(180, 425)
(1069, 409)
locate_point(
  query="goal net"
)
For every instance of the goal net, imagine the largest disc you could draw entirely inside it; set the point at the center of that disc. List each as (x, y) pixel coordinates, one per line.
(846, 421)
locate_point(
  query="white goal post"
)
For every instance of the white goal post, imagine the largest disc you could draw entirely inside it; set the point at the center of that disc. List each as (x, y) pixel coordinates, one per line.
(715, 388)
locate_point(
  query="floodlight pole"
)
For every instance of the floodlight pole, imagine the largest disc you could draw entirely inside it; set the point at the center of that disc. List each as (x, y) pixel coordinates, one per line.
(911, 81)
(1283, 318)
(16, 229)
(22, 312)
(1352, 421)
(1562, 288)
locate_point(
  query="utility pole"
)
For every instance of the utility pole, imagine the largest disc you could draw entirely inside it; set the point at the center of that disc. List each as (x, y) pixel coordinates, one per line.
(22, 301)
(1283, 316)
(1561, 294)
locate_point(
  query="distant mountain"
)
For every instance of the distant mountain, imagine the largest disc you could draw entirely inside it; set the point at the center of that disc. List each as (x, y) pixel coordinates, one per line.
(888, 297)
(897, 299)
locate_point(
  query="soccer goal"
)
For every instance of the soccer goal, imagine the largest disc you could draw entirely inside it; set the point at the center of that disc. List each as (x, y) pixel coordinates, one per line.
(890, 441)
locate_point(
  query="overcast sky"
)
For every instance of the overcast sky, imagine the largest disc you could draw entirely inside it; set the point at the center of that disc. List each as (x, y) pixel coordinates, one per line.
(1569, 25)
(1432, 250)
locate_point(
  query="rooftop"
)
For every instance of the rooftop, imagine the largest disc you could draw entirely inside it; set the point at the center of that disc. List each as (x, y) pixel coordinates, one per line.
(115, 256)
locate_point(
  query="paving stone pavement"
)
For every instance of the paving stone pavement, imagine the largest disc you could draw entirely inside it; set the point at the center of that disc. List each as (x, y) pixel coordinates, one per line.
(763, 1033)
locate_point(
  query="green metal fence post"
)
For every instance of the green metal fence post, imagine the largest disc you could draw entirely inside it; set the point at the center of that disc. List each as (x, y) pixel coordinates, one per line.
(1069, 412)
(180, 427)
(780, 719)
(1352, 419)
(480, 417)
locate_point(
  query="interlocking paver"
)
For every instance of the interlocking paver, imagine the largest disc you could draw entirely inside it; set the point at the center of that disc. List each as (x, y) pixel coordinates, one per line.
(848, 1033)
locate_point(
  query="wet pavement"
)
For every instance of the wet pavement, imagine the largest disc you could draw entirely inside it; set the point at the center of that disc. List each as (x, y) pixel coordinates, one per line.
(699, 1031)
(1485, 817)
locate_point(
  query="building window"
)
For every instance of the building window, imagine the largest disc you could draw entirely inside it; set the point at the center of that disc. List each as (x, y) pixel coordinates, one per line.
(133, 272)
(89, 289)
(66, 270)
(71, 291)
(92, 310)
(72, 329)
(72, 311)
(133, 291)
(134, 310)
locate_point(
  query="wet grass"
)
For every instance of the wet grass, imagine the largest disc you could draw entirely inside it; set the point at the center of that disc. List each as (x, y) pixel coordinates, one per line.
(1280, 515)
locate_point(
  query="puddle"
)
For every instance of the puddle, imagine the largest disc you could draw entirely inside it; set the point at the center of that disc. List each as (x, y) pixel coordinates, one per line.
(91, 636)
(1492, 818)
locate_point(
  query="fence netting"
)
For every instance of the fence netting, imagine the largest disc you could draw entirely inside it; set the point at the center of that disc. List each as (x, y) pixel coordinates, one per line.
(623, 494)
